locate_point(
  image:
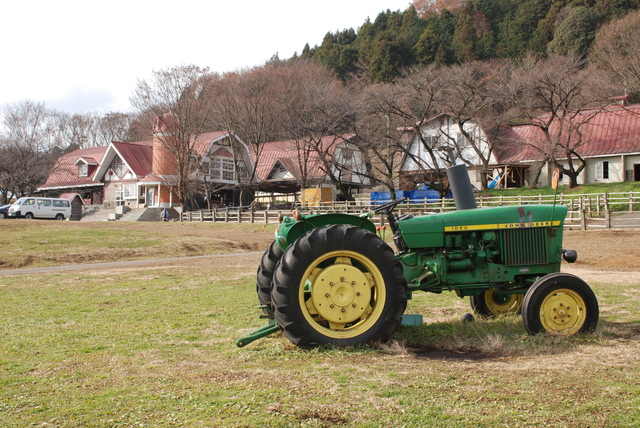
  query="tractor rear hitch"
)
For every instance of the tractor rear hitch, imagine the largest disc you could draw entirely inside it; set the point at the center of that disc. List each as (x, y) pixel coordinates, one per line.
(270, 328)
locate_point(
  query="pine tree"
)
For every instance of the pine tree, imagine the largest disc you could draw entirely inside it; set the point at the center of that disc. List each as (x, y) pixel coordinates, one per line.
(575, 34)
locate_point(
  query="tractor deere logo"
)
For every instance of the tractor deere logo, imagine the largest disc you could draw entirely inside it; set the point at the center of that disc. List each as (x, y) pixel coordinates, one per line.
(501, 226)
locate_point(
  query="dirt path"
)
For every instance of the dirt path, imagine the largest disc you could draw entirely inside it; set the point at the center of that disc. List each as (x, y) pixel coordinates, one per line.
(213, 259)
(603, 255)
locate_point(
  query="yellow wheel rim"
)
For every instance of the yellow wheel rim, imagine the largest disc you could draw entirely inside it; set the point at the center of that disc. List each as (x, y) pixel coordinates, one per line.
(502, 304)
(563, 312)
(342, 294)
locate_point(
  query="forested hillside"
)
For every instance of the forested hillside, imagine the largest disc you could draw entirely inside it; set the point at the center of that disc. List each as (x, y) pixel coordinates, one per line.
(456, 31)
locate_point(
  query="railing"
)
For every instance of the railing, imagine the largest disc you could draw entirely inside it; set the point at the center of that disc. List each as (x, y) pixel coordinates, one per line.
(586, 211)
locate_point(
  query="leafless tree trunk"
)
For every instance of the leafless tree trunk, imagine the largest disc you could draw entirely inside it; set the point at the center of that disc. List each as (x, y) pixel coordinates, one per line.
(557, 97)
(416, 99)
(382, 135)
(28, 147)
(318, 112)
(179, 96)
(247, 105)
(470, 100)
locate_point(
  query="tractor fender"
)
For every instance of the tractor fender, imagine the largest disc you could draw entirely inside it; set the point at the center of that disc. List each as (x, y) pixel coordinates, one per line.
(290, 230)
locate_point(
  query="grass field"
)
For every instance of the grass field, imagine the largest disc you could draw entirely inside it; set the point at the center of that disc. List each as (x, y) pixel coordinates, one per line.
(154, 347)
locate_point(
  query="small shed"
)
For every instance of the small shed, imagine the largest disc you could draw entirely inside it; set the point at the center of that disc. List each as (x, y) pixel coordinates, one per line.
(76, 205)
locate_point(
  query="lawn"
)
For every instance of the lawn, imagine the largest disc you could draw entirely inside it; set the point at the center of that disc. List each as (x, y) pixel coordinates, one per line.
(155, 347)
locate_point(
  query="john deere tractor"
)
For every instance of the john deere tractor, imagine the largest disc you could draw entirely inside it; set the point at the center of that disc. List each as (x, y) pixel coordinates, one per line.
(331, 279)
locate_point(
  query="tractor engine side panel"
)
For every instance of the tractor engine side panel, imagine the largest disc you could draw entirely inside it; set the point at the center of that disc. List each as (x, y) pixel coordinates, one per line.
(482, 246)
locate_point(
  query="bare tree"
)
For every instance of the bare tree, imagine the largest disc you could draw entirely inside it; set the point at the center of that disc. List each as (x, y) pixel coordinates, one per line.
(382, 136)
(557, 97)
(247, 104)
(28, 147)
(318, 113)
(114, 126)
(471, 103)
(418, 101)
(616, 51)
(177, 100)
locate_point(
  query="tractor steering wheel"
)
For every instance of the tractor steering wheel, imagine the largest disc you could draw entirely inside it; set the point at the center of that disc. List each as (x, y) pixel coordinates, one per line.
(389, 206)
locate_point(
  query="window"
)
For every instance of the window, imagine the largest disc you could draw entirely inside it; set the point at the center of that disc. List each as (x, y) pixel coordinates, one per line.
(130, 191)
(222, 169)
(119, 167)
(602, 170)
(83, 170)
(432, 142)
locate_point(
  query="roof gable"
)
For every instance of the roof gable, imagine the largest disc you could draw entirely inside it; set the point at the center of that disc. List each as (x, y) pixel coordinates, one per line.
(137, 156)
(65, 171)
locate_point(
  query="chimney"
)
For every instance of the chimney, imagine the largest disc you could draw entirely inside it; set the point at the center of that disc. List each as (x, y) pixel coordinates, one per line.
(163, 163)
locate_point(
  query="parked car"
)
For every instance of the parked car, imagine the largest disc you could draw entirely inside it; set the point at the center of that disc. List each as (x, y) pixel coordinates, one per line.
(34, 207)
(3, 210)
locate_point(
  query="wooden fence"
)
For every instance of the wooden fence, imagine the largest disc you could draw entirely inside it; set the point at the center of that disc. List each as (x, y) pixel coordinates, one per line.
(586, 211)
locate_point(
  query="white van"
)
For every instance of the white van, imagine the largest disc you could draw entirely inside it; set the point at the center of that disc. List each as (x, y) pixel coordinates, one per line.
(59, 209)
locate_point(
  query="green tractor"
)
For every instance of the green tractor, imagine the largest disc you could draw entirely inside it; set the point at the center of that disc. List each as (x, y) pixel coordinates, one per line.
(329, 279)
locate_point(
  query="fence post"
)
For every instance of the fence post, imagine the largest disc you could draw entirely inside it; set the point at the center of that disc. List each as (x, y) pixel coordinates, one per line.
(570, 209)
(253, 214)
(630, 201)
(214, 213)
(583, 218)
(266, 217)
(226, 215)
(607, 219)
(239, 215)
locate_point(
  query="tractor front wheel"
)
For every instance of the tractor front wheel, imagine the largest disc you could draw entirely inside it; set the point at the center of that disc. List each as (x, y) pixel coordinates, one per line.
(560, 303)
(491, 303)
(338, 285)
(265, 273)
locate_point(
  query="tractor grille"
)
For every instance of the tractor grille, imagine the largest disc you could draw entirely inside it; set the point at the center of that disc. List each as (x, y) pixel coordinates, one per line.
(524, 246)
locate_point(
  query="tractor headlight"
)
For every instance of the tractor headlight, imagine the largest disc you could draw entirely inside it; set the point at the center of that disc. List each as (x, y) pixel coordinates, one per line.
(570, 255)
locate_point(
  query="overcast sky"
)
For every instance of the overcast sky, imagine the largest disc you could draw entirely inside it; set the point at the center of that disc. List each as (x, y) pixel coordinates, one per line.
(83, 55)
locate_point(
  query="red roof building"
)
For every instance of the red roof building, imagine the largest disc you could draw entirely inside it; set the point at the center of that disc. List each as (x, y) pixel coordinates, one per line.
(607, 139)
(290, 165)
(123, 174)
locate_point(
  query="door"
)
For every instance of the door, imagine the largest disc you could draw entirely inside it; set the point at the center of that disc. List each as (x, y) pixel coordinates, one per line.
(151, 196)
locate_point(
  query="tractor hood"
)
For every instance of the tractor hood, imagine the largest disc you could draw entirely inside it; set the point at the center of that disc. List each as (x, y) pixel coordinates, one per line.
(428, 231)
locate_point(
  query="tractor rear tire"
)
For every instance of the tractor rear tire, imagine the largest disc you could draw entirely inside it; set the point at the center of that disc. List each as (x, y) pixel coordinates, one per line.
(561, 304)
(339, 285)
(265, 273)
(490, 303)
